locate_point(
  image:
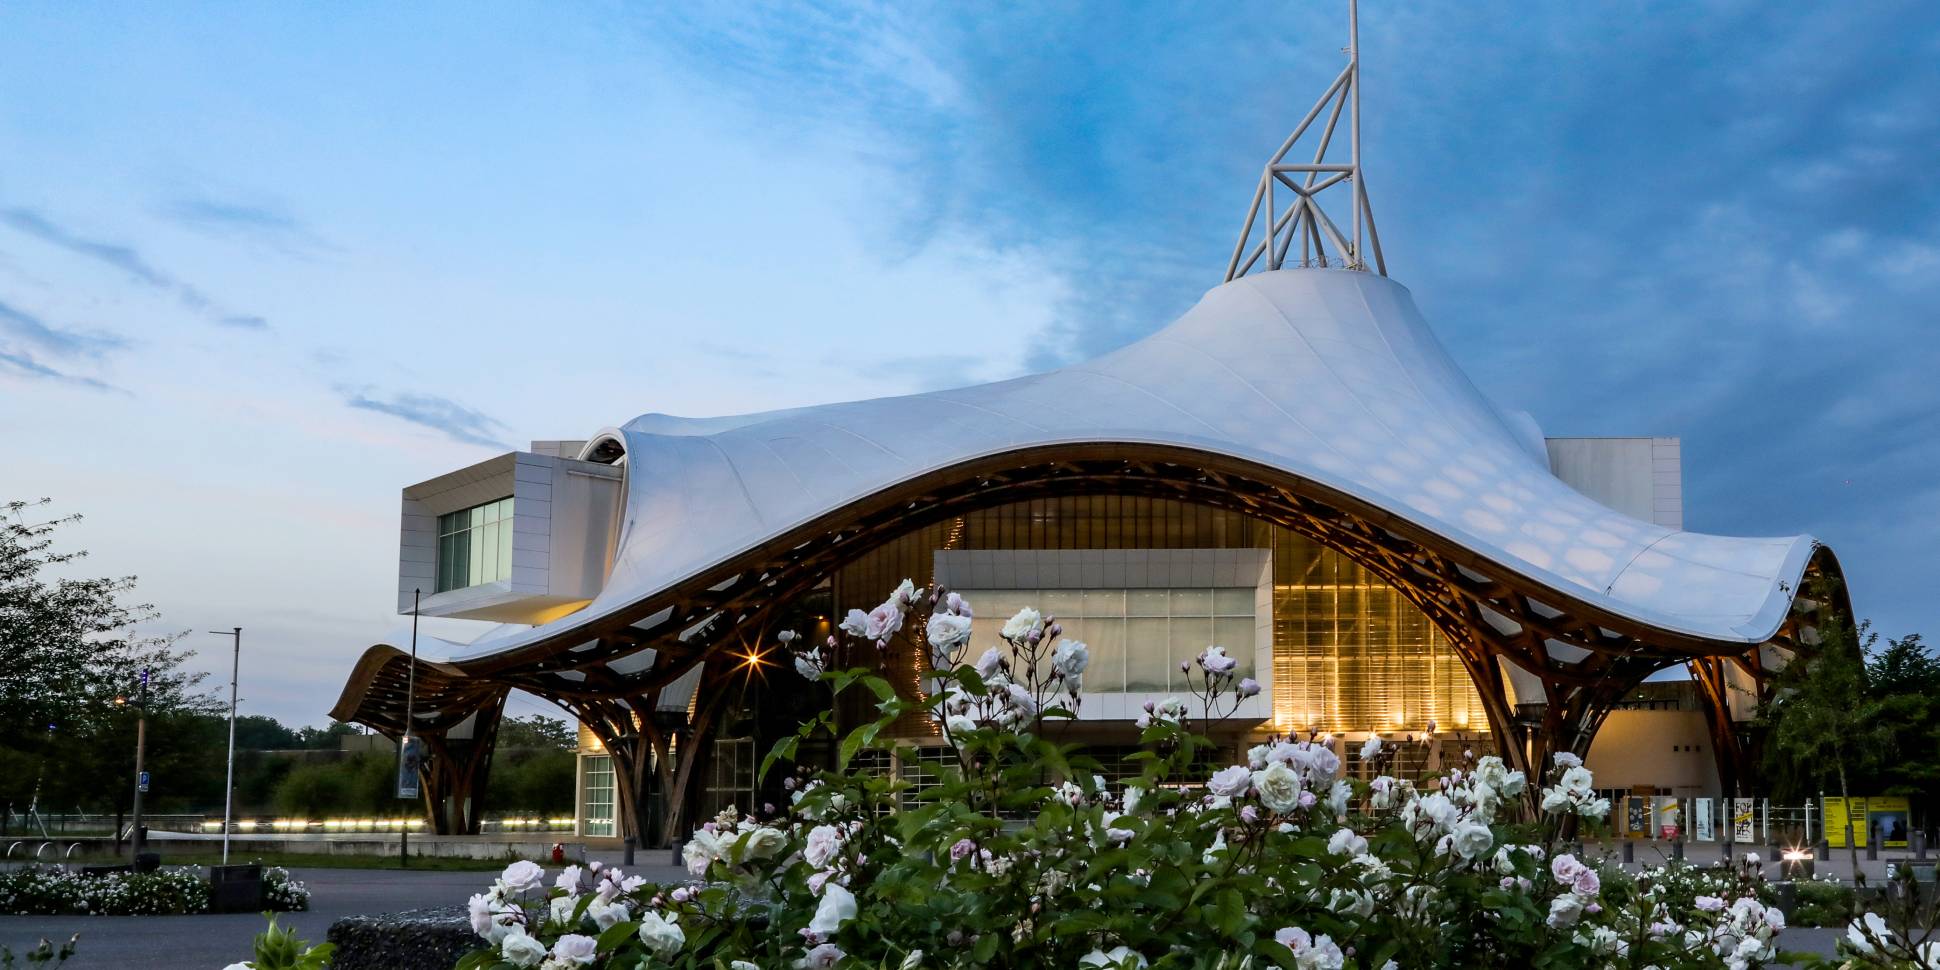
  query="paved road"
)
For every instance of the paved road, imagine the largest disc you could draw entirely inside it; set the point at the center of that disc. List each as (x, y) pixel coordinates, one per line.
(211, 942)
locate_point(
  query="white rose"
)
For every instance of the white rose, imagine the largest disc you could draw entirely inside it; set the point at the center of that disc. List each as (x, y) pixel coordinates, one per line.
(1472, 840)
(960, 723)
(742, 965)
(1070, 657)
(947, 632)
(1278, 786)
(1112, 958)
(700, 851)
(1347, 842)
(1565, 910)
(523, 876)
(912, 962)
(575, 950)
(1026, 622)
(823, 841)
(1371, 749)
(1231, 782)
(607, 915)
(661, 935)
(561, 910)
(837, 907)
(762, 843)
(521, 950)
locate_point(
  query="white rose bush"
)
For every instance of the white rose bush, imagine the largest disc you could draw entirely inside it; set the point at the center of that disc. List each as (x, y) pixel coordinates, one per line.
(1020, 855)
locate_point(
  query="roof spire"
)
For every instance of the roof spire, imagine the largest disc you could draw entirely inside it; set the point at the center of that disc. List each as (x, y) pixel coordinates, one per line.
(1321, 241)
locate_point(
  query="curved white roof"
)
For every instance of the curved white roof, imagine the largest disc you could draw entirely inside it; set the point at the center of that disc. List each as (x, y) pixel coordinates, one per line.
(1330, 375)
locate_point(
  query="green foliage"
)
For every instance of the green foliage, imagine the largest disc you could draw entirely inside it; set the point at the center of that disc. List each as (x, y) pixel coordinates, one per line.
(278, 948)
(1823, 903)
(1848, 717)
(530, 781)
(43, 953)
(49, 890)
(536, 731)
(69, 653)
(361, 784)
(1013, 853)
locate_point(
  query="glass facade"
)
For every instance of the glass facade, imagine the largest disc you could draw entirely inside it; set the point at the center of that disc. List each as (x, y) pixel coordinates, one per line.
(596, 812)
(475, 545)
(1350, 653)
(730, 777)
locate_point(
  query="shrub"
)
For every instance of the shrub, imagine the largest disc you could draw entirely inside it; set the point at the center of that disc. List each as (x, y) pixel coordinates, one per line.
(1823, 902)
(1022, 856)
(52, 891)
(282, 894)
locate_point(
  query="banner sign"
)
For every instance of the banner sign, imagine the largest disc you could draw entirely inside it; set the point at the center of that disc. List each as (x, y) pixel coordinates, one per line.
(1702, 819)
(1741, 821)
(409, 757)
(1879, 817)
(1636, 817)
(1888, 820)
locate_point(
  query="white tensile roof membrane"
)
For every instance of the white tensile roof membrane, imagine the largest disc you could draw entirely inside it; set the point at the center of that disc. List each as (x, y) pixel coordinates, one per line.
(1330, 375)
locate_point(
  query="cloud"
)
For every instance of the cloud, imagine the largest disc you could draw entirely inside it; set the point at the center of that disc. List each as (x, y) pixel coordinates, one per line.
(55, 340)
(245, 322)
(263, 224)
(116, 256)
(21, 363)
(1744, 257)
(454, 420)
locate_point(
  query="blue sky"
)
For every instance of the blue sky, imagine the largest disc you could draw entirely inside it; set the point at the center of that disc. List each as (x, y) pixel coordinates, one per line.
(262, 265)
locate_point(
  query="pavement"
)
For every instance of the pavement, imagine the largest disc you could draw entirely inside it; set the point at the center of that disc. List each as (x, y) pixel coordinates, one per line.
(211, 942)
(214, 941)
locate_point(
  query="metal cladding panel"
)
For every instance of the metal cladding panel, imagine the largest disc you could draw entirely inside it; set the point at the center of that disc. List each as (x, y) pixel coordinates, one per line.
(1329, 375)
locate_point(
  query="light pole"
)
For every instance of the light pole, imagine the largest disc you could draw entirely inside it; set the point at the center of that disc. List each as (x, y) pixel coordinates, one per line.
(229, 783)
(140, 704)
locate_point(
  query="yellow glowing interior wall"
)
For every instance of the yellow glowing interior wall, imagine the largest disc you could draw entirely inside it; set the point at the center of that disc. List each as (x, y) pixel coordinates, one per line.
(1349, 652)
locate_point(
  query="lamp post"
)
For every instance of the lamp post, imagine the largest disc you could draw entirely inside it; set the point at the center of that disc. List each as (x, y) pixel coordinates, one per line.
(229, 780)
(140, 704)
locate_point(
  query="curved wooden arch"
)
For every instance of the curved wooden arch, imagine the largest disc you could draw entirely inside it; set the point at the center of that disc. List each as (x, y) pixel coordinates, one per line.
(1585, 656)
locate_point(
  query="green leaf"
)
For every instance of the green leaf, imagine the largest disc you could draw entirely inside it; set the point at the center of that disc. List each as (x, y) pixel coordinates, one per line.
(614, 935)
(855, 742)
(784, 749)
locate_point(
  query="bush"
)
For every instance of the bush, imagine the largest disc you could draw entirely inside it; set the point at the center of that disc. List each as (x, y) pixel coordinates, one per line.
(54, 891)
(282, 894)
(1020, 855)
(1823, 902)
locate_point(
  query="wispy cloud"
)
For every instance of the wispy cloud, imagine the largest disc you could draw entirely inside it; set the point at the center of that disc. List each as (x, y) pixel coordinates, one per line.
(242, 322)
(118, 256)
(56, 340)
(262, 224)
(25, 365)
(454, 420)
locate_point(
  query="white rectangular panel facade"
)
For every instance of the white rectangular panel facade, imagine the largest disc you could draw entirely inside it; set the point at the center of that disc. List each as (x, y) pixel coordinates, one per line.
(564, 528)
(1640, 477)
(1141, 612)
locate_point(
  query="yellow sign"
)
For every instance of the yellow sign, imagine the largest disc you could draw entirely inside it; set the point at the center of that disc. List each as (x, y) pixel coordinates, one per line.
(1882, 817)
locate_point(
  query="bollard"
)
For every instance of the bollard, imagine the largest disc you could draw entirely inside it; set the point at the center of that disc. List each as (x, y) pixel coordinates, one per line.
(404, 847)
(1872, 850)
(1920, 846)
(1629, 852)
(628, 857)
(1677, 849)
(1727, 851)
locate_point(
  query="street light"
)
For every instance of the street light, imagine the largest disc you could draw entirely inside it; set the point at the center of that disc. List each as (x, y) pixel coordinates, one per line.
(229, 783)
(140, 703)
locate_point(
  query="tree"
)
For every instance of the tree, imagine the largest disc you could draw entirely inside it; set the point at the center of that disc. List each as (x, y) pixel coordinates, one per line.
(71, 648)
(536, 731)
(1822, 720)
(1904, 680)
